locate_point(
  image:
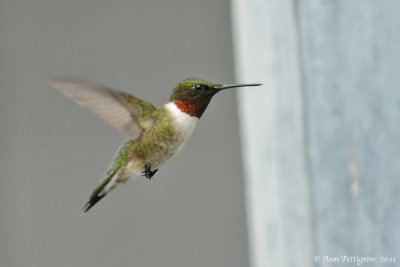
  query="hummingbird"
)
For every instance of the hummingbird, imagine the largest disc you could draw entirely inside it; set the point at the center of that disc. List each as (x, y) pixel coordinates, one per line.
(154, 134)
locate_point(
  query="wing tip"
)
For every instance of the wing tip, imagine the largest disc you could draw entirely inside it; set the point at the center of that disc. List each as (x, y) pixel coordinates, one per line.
(59, 82)
(55, 83)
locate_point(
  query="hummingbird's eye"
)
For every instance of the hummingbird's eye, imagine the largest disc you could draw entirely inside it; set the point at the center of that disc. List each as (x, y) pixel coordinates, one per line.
(198, 87)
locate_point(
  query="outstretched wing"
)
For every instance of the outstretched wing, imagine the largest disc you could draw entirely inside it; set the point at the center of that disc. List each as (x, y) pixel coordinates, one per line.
(119, 109)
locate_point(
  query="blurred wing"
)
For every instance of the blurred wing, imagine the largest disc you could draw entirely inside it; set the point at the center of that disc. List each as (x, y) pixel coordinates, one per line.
(119, 109)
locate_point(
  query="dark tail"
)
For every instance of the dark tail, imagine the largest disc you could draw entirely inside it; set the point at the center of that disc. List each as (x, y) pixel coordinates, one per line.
(92, 201)
(100, 191)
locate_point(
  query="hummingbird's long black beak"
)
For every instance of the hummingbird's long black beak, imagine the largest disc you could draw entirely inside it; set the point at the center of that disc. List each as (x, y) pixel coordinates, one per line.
(227, 86)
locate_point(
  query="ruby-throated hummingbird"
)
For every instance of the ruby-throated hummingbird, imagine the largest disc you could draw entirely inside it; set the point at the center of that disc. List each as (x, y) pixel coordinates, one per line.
(154, 134)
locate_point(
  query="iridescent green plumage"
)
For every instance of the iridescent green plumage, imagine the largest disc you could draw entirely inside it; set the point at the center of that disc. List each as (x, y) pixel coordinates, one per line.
(184, 89)
(152, 147)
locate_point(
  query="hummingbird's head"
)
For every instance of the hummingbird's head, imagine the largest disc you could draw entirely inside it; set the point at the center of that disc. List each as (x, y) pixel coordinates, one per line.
(193, 95)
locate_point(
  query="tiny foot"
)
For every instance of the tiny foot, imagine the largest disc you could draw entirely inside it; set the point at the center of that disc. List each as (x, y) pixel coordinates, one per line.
(148, 173)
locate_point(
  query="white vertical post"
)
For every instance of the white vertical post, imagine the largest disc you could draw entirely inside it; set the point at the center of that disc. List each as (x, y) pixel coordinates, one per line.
(267, 51)
(320, 139)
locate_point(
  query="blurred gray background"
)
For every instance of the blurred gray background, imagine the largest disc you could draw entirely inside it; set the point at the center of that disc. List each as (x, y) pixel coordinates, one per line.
(54, 152)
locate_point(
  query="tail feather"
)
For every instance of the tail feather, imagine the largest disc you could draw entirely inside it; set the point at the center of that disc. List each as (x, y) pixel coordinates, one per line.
(105, 186)
(92, 201)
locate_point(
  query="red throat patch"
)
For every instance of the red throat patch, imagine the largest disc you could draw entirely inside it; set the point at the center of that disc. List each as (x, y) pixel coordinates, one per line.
(192, 106)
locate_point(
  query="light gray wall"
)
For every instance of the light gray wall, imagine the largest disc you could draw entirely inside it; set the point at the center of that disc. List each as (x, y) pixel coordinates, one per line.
(321, 139)
(53, 152)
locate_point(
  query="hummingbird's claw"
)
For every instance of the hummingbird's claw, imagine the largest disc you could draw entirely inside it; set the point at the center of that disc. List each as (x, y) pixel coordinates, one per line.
(148, 173)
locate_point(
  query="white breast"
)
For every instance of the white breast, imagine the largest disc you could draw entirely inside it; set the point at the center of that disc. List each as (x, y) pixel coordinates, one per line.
(182, 122)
